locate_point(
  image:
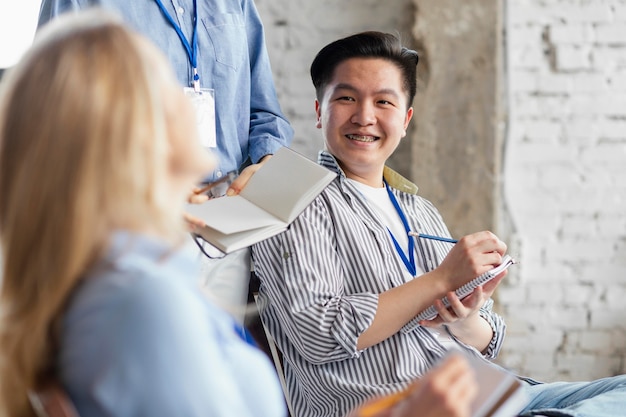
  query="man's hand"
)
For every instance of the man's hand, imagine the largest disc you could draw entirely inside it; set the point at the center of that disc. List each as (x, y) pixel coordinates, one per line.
(460, 310)
(473, 255)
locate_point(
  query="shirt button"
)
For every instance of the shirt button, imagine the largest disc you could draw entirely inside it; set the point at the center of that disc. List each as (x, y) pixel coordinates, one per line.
(218, 173)
(180, 10)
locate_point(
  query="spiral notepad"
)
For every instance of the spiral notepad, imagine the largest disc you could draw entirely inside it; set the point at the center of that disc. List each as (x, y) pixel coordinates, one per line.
(467, 289)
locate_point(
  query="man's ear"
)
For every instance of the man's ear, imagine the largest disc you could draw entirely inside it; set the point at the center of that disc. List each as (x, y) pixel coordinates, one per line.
(318, 114)
(407, 119)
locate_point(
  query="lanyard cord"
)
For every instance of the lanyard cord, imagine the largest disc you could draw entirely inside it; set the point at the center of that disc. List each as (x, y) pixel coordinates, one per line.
(192, 49)
(410, 262)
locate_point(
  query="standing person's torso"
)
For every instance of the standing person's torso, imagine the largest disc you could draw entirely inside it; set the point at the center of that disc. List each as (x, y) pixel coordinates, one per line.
(231, 53)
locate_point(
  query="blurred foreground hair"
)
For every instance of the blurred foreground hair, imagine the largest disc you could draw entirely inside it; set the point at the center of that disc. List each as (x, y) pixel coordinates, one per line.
(83, 148)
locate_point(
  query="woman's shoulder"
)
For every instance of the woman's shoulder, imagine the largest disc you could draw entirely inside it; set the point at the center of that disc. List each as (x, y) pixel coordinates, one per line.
(138, 271)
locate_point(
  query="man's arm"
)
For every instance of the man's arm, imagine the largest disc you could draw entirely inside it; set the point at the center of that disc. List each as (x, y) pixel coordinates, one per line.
(305, 277)
(471, 320)
(471, 256)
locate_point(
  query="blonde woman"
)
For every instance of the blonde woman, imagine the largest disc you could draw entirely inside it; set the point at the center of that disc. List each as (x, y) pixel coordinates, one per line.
(97, 153)
(98, 149)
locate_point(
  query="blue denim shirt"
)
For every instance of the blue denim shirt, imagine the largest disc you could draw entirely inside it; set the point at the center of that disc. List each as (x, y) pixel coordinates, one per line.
(232, 60)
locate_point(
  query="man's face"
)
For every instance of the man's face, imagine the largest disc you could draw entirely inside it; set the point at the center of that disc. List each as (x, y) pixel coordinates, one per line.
(363, 116)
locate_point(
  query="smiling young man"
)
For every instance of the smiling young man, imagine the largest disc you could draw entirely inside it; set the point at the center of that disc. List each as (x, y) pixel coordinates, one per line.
(344, 284)
(340, 282)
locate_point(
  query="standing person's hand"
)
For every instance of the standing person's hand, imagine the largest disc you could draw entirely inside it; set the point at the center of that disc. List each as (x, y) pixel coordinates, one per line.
(240, 182)
(198, 197)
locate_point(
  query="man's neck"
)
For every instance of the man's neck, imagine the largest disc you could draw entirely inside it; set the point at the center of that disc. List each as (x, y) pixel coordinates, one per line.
(373, 180)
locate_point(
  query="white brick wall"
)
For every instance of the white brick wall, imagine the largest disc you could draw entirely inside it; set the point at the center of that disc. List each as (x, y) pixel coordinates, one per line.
(565, 164)
(565, 188)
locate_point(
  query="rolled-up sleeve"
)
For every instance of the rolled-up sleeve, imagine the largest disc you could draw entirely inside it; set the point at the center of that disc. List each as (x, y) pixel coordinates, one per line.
(497, 325)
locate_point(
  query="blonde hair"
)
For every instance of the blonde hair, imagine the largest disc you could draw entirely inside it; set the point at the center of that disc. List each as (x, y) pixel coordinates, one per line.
(83, 151)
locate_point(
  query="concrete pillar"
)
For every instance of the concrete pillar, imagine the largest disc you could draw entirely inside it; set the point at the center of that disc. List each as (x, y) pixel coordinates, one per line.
(455, 142)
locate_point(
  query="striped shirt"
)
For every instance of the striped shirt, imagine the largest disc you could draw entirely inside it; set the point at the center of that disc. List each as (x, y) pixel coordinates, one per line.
(320, 281)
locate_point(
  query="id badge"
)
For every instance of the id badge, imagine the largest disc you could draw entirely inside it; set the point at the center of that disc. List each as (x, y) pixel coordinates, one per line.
(204, 102)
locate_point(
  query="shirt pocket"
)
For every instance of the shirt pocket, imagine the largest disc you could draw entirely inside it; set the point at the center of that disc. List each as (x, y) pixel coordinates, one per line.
(227, 32)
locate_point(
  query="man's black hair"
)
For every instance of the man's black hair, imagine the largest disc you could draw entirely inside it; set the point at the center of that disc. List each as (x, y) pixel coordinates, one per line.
(365, 45)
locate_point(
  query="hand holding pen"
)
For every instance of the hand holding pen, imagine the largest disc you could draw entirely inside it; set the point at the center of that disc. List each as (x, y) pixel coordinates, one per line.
(205, 192)
(469, 258)
(218, 187)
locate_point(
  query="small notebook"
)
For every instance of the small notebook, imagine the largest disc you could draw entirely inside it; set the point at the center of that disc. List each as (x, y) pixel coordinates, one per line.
(272, 199)
(467, 289)
(500, 393)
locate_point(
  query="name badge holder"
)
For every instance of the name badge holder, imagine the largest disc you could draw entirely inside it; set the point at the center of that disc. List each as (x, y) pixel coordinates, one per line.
(203, 101)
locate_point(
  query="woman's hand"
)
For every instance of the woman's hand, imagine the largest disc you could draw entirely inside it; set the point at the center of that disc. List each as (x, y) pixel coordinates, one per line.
(448, 390)
(195, 197)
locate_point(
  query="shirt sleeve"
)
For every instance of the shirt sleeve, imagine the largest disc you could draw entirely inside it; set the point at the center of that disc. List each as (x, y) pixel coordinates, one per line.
(496, 323)
(269, 129)
(497, 326)
(303, 277)
(49, 9)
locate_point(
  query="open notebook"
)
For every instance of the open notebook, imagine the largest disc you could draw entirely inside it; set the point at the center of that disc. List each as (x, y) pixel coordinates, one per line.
(274, 196)
(500, 393)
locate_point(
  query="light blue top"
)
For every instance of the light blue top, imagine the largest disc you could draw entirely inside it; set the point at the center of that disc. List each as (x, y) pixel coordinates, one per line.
(139, 339)
(232, 59)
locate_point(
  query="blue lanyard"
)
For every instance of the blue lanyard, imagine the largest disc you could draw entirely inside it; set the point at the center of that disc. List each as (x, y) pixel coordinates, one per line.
(244, 334)
(410, 262)
(192, 50)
